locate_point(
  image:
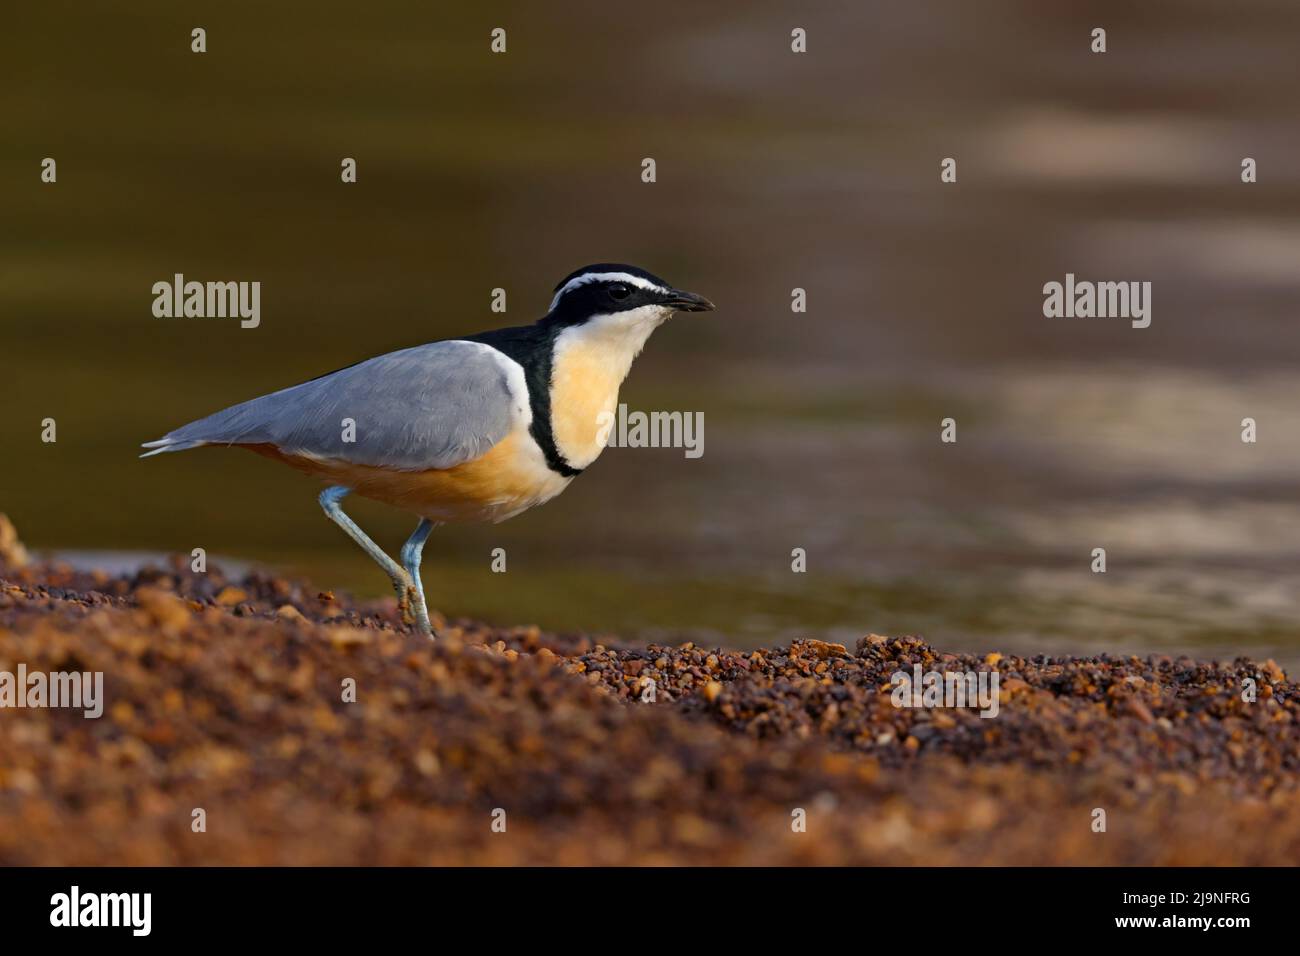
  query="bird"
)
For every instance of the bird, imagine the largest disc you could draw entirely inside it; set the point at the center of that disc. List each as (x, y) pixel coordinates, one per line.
(472, 429)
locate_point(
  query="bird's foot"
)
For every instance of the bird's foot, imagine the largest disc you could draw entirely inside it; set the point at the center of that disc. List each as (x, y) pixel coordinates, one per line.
(410, 605)
(423, 625)
(407, 599)
(420, 613)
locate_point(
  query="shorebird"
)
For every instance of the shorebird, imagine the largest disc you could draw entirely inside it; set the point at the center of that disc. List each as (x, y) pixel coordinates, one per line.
(479, 428)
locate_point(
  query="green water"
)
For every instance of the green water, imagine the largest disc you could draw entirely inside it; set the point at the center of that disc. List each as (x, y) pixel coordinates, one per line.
(774, 171)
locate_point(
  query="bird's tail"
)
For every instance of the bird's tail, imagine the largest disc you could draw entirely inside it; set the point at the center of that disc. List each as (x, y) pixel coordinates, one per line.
(169, 444)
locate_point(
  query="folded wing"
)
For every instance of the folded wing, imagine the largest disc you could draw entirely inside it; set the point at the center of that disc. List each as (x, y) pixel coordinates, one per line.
(432, 406)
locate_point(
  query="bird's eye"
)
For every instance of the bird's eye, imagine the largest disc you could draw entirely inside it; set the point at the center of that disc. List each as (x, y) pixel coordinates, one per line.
(619, 291)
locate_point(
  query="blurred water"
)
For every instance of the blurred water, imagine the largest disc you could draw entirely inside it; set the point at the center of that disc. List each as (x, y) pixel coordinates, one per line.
(775, 171)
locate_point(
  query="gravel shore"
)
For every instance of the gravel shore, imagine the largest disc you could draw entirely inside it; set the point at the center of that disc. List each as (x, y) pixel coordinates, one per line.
(229, 696)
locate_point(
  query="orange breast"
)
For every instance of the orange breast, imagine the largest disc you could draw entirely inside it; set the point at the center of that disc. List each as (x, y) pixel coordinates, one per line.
(511, 477)
(584, 390)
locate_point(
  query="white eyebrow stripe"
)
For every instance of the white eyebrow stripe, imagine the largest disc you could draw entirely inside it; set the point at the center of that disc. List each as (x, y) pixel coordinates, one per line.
(587, 277)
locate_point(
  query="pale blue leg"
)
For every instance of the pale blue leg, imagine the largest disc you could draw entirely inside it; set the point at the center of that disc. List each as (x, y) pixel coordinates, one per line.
(329, 500)
(412, 552)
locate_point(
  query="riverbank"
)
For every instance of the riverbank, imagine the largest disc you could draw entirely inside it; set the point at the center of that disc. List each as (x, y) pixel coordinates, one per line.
(228, 696)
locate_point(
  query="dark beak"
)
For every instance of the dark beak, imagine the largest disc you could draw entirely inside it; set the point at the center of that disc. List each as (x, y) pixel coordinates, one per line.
(680, 301)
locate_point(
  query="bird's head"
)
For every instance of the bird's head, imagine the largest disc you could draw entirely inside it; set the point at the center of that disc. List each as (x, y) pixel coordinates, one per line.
(622, 295)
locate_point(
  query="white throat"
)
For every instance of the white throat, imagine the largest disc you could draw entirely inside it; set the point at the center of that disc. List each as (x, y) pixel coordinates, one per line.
(588, 366)
(617, 338)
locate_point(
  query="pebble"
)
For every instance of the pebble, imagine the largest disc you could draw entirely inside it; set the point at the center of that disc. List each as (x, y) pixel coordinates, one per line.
(244, 714)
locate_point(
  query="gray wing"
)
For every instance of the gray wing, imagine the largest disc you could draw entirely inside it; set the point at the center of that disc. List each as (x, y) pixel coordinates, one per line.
(432, 406)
